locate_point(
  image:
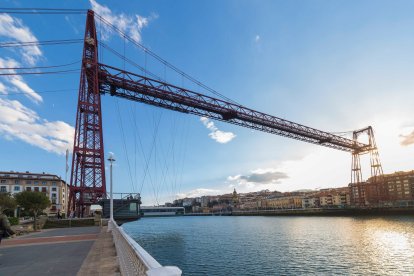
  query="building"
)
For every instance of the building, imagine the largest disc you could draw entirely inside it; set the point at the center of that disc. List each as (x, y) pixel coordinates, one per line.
(396, 189)
(366, 193)
(311, 202)
(205, 200)
(235, 198)
(288, 202)
(52, 185)
(188, 202)
(399, 188)
(334, 197)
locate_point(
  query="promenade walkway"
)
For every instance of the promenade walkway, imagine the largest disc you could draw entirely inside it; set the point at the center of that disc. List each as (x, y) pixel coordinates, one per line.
(63, 251)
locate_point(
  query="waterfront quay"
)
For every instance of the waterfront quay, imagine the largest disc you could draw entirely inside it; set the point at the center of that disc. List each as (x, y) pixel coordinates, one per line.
(61, 251)
(81, 251)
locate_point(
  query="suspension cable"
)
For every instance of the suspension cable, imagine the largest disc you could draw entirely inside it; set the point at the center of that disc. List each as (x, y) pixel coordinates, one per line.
(130, 61)
(42, 11)
(39, 92)
(39, 67)
(174, 68)
(39, 43)
(121, 128)
(40, 73)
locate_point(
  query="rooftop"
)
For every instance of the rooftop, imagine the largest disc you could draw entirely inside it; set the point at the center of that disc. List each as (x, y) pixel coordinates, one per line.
(29, 175)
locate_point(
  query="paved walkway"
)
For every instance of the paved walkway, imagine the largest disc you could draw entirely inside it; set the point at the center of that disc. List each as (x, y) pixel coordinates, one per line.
(56, 252)
(102, 258)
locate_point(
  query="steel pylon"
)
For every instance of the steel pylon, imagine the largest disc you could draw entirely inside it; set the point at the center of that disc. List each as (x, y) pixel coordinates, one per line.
(87, 181)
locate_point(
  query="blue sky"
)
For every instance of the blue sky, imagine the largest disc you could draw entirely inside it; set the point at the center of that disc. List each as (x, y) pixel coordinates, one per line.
(333, 65)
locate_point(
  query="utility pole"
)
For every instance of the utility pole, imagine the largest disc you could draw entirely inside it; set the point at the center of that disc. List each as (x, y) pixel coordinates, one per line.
(111, 159)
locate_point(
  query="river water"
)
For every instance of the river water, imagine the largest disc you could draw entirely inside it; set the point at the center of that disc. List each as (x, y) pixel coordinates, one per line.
(229, 245)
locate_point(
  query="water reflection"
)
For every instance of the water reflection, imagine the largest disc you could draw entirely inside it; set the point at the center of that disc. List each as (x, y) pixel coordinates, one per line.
(280, 245)
(388, 244)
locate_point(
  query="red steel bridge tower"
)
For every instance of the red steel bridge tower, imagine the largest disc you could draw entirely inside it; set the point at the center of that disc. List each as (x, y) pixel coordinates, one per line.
(87, 180)
(87, 183)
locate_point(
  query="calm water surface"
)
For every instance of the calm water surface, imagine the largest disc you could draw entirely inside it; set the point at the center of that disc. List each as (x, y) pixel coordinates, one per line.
(279, 245)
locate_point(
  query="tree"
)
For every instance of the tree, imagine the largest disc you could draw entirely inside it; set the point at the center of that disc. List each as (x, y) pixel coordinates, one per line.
(7, 202)
(34, 202)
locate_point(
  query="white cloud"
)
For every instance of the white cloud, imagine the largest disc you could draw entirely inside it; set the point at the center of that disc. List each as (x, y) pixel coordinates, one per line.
(216, 134)
(3, 88)
(263, 176)
(13, 28)
(17, 81)
(259, 179)
(130, 25)
(199, 192)
(407, 139)
(257, 38)
(18, 121)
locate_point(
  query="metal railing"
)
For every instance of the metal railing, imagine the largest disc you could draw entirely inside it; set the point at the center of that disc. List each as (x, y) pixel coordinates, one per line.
(124, 195)
(133, 259)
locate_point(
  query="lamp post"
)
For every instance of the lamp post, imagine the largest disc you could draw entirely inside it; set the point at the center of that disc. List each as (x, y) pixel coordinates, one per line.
(111, 159)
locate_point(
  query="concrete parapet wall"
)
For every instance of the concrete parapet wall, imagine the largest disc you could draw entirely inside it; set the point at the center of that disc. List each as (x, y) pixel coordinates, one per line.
(134, 260)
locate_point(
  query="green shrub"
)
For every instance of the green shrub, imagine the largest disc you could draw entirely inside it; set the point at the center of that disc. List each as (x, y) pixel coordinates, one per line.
(14, 221)
(63, 223)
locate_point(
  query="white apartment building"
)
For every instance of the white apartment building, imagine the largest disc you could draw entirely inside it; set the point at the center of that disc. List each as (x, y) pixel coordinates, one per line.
(52, 185)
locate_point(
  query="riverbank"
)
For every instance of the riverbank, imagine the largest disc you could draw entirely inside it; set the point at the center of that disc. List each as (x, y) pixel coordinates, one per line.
(316, 212)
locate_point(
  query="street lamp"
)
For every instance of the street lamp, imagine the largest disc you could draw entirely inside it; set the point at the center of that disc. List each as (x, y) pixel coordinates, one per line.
(111, 159)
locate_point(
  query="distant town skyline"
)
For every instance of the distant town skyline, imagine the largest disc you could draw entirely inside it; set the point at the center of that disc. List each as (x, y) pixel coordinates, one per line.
(335, 66)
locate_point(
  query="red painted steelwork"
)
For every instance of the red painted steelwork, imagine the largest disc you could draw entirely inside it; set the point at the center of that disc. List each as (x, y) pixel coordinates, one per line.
(87, 181)
(117, 82)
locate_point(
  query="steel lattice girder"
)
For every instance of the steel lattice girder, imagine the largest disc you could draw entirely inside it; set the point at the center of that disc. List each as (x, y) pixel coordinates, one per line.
(138, 88)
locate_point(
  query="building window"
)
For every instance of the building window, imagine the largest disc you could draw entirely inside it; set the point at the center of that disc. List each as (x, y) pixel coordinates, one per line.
(28, 189)
(36, 182)
(53, 195)
(3, 181)
(16, 188)
(16, 182)
(44, 190)
(43, 182)
(54, 189)
(3, 189)
(28, 182)
(36, 189)
(53, 183)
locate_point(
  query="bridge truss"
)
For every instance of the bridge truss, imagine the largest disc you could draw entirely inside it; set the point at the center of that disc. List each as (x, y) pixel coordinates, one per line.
(87, 184)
